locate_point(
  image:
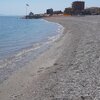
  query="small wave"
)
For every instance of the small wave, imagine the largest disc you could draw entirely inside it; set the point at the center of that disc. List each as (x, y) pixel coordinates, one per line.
(22, 54)
(19, 55)
(54, 38)
(60, 27)
(59, 31)
(25, 51)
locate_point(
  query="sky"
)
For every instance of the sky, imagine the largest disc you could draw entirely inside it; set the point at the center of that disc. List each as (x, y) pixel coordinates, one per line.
(18, 7)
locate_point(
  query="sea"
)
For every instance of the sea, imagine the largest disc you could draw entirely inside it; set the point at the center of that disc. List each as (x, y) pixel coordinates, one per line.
(23, 40)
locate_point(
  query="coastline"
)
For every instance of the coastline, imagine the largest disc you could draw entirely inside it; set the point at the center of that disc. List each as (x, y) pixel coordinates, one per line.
(68, 70)
(21, 79)
(28, 54)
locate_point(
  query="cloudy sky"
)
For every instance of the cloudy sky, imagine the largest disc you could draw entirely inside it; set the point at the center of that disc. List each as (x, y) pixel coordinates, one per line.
(18, 7)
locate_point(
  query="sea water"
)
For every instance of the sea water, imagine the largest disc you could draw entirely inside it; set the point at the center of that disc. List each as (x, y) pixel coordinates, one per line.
(23, 40)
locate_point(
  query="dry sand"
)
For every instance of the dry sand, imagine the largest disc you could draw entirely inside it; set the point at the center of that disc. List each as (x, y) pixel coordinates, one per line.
(69, 70)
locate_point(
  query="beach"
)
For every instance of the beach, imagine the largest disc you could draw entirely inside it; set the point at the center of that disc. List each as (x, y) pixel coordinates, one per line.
(69, 70)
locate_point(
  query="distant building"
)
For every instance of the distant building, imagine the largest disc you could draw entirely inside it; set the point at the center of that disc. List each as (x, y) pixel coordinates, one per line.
(68, 11)
(86, 12)
(50, 11)
(57, 12)
(78, 6)
(93, 10)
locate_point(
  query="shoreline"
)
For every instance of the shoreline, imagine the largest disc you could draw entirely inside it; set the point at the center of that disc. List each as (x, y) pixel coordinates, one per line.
(68, 70)
(10, 85)
(26, 55)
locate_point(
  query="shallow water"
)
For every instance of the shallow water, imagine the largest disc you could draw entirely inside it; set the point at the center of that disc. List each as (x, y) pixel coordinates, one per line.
(17, 34)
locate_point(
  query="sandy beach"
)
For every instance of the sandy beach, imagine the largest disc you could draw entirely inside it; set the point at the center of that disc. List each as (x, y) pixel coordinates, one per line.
(69, 70)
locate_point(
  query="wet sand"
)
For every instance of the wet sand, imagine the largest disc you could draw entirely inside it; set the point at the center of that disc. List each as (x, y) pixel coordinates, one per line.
(69, 70)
